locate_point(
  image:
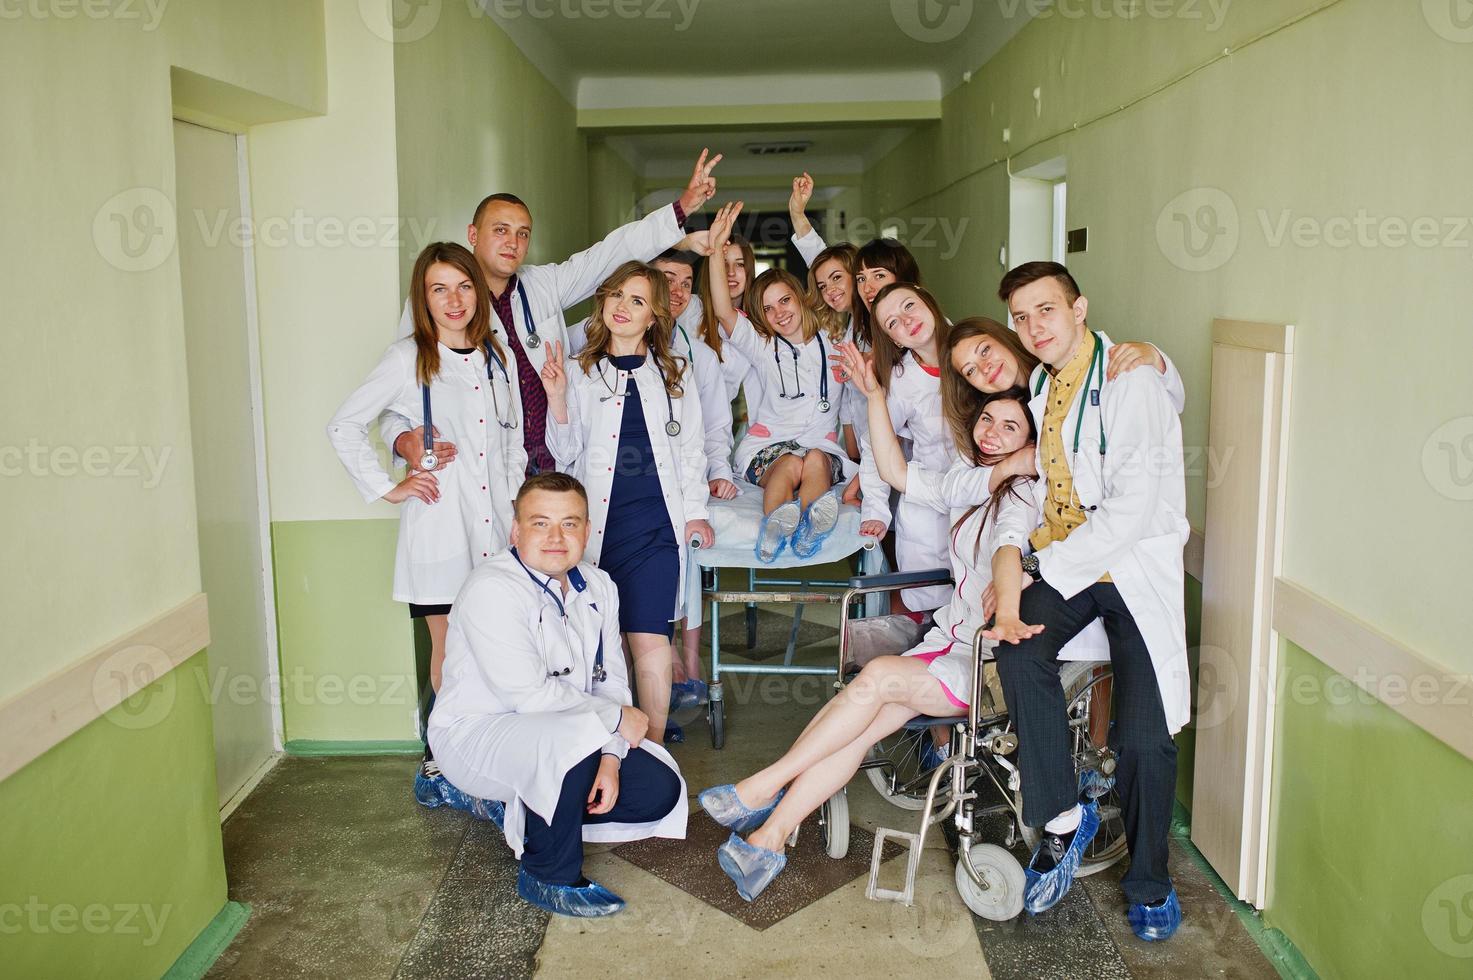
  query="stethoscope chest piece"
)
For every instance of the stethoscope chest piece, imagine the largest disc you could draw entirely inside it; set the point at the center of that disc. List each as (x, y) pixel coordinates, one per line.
(428, 462)
(534, 341)
(823, 405)
(672, 428)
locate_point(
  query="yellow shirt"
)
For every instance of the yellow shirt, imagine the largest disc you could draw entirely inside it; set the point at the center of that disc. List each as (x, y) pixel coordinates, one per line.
(1062, 509)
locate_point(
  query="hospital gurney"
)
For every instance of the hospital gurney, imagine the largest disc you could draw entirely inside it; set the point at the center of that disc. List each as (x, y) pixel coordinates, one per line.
(735, 523)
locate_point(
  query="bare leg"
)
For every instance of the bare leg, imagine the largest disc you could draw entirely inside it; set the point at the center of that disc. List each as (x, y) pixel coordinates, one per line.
(780, 482)
(438, 627)
(690, 642)
(884, 681)
(908, 691)
(817, 478)
(651, 655)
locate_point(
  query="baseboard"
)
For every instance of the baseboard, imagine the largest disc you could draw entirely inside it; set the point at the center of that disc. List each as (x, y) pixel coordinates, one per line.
(313, 748)
(213, 940)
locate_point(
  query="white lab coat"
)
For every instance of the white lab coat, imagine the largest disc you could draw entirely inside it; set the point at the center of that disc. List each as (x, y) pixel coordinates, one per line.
(439, 543)
(587, 447)
(550, 289)
(502, 728)
(715, 406)
(1135, 497)
(955, 491)
(921, 530)
(855, 414)
(777, 419)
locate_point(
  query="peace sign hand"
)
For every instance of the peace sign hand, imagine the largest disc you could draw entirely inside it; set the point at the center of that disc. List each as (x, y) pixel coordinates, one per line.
(554, 377)
(702, 186)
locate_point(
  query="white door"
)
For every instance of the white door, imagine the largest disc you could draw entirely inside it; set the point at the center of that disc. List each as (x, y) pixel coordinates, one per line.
(225, 430)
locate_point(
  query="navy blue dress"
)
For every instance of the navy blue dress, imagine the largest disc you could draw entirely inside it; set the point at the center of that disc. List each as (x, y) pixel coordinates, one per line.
(639, 552)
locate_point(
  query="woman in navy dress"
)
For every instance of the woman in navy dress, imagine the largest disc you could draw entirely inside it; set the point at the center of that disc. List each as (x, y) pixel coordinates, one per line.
(620, 420)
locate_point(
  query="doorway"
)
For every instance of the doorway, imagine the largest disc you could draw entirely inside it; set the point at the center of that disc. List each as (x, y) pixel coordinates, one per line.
(217, 282)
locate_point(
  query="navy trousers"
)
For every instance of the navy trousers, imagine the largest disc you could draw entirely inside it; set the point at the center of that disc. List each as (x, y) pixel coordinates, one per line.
(648, 790)
(1143, 747)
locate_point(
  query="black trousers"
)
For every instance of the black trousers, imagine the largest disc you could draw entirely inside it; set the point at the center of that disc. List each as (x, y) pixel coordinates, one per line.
(1144, 750)
(648, 790)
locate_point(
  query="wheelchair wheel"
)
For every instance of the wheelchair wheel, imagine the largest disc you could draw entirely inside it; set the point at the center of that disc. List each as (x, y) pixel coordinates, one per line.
(716, 717)
(999, 896)
(903, 779)
(1087, 690)
(833, 817)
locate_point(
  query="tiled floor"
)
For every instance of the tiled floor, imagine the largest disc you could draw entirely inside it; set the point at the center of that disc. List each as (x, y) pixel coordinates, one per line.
(346, 876)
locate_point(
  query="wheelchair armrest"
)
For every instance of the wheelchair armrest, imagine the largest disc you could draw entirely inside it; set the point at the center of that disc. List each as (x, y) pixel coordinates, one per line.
(891, 580)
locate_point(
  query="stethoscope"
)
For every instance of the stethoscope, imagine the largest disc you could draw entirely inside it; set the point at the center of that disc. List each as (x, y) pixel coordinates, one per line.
(823, 372)
(599, 674)
(1096, 363)
(672, 427)
(533, 340)
(429, 460)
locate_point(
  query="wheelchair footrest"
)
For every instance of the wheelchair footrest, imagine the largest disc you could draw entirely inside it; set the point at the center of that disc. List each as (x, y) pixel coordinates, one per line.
(906, 896)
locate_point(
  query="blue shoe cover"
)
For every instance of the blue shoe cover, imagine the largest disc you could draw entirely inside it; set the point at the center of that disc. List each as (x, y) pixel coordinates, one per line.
(687, 694)
(674, 733)
(750, 867)
(587, 901)
(1156, 922)
(1094, 784)
(933, 755)
(776, 529)
(727, 809)
(815, 526)
(432, 790)
(1042, 892)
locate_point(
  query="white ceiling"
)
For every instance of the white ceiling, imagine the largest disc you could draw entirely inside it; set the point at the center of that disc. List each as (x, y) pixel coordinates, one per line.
(659, 54)
(575, 40)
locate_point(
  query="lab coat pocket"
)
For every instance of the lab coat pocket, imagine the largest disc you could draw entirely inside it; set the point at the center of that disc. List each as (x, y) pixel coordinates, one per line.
(1161, 562)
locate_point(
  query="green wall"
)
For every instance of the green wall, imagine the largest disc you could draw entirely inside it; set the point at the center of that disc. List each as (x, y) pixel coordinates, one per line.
(111, 848)
(347, 650)
(119, 816)
(1372, 856)
(1306, 117)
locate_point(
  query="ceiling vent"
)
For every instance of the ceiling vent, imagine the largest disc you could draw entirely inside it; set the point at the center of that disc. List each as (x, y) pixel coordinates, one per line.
(779, 148)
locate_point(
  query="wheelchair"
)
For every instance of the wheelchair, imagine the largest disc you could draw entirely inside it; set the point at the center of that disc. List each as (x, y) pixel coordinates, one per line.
(977, 784)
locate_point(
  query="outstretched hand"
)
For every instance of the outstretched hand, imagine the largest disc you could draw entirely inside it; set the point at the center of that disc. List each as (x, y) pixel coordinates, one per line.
(722, 224)
(1010, 630)
(859, 368)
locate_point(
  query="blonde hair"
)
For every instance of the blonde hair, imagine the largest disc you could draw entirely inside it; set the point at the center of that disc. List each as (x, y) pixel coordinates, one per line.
(832, 321)
(657, 334)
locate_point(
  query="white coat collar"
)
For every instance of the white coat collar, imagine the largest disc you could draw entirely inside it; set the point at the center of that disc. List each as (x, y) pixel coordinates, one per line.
(575, 577)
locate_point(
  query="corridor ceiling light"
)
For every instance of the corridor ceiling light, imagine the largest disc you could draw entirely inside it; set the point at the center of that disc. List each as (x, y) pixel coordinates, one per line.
(778, 148)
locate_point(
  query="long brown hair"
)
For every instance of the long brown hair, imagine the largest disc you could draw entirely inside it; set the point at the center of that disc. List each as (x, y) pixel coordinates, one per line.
(1015, 483)
(832, 321)
(960, 402)
(710, 328)
(890, 356)
(426, 334)
(807, 314)
(894, 258)
(657, 334)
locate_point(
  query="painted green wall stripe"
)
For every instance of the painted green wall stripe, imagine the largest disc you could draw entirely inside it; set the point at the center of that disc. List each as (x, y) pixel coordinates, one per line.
(213, 940)
(659, 119)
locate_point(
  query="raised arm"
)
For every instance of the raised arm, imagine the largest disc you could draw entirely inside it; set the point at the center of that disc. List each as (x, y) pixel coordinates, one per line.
(797, 206)
(720, 235)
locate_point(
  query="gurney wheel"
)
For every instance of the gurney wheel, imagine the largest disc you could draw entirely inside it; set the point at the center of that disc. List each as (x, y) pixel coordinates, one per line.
(833, 816)
(716, 715)
(751, 627)
(1000, 898)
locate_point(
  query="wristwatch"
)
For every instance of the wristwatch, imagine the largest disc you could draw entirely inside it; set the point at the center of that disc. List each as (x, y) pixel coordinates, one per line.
(1030, 565)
